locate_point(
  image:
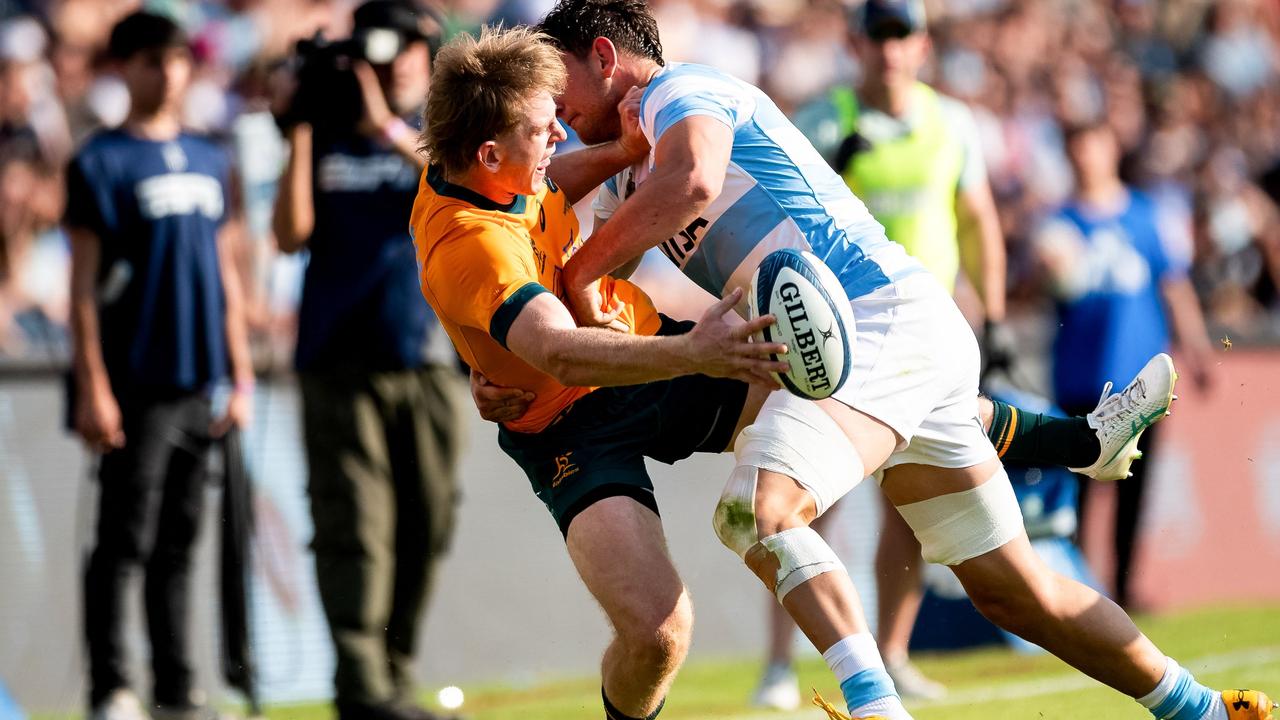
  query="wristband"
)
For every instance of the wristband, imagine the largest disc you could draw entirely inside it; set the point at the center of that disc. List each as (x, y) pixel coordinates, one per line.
(244, 387)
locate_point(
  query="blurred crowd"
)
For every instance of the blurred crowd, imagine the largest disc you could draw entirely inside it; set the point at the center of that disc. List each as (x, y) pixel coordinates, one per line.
(1191, 88)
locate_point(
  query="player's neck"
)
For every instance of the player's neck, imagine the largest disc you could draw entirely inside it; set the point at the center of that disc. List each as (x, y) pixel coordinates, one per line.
(1104, 193)
(893, 100)
(482, 183)
(161, 126)
(636, 72)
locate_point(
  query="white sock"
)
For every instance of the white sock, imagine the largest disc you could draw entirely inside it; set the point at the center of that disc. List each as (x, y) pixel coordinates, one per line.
(1164, 687)
(889, 706)
(855, 654)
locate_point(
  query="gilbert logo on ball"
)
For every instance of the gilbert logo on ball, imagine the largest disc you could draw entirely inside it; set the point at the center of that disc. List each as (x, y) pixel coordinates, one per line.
(813, 320)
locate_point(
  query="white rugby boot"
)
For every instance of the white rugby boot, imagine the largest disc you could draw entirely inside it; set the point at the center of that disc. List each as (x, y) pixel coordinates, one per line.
(121, 704)
(779, 689)
(1121, 418)
(913, 684)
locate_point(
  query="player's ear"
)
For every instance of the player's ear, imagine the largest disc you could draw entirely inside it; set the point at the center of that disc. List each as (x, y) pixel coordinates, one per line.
(487, 155)
(606, 55)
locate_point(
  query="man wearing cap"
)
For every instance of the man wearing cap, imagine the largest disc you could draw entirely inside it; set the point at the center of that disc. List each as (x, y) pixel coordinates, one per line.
(378, 381)
(913, 156)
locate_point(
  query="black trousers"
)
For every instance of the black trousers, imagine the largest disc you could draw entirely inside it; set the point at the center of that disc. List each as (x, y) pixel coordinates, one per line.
(149, 507)
(381, 453)
(1129, 495)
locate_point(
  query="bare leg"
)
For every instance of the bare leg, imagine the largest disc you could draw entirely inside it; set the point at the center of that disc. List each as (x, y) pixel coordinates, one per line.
(618, 548)
(1013, 588)
(898, 578)
(827, 607)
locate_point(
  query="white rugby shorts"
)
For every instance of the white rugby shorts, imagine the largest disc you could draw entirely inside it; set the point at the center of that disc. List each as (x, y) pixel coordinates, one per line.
(915, 368)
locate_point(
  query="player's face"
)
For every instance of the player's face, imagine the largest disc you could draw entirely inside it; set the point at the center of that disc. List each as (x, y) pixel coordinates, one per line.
(157, 79)
(587, 104)
(893, 59)
(524, 152)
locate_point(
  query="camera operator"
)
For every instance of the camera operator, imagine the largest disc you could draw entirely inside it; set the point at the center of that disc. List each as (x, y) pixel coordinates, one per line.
(379, 396)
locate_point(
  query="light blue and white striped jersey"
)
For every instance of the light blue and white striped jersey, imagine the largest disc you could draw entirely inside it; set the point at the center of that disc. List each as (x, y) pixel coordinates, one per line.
(778, 192)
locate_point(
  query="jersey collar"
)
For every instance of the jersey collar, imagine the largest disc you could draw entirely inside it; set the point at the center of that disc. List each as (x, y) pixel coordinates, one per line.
(443, 187)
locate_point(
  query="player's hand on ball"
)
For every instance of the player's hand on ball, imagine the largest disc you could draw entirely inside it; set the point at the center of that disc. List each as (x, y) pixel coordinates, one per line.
(497, 403)
(721, 349)
(632, 139)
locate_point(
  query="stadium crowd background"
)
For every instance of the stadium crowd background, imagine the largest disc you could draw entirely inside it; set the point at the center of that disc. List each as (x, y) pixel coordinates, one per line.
(1190, 87)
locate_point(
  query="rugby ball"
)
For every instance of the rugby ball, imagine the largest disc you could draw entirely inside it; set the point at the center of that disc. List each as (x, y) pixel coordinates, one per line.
(814, 320)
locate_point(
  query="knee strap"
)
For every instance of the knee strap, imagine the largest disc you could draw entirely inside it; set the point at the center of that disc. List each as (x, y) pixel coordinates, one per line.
(802, 555)
(960, 526)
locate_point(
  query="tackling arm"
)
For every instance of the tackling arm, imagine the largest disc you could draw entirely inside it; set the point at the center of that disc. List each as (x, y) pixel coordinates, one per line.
(690, 164)
(545, 335)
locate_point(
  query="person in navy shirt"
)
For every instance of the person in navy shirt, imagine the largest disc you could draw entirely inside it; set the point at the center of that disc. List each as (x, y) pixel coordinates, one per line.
(161, 367)
(379, 379)
(1121, 289)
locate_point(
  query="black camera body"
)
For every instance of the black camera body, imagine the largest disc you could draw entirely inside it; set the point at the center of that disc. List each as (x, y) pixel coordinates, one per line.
(328, 95)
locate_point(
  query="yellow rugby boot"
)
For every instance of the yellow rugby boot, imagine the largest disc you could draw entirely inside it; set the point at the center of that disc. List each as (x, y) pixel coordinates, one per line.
(834, 714)
(1248, 705)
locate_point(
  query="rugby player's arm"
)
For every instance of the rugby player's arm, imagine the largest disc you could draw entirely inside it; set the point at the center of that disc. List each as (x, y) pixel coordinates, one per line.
(626, 269)
(545, 335)
(982, 251)
(690, 163)
(294, 217)
(579, 172)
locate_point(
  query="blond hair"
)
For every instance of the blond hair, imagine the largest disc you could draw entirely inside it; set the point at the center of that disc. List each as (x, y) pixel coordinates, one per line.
(480, 88)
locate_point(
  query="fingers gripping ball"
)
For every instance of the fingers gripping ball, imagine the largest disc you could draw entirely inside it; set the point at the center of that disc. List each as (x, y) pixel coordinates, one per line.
(814, 320)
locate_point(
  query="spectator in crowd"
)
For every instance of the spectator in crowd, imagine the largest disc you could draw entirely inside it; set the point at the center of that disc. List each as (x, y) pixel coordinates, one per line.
(1119, 295)
(379, 388)
(161, 360)
(34, 265)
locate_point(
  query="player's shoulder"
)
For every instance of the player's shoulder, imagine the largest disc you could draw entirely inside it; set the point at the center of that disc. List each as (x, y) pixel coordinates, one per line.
(955, 111)
(678, 79)
(101, 144)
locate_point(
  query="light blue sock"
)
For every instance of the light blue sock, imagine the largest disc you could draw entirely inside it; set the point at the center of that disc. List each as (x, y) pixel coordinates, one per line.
(872, 691)
(1179, 697)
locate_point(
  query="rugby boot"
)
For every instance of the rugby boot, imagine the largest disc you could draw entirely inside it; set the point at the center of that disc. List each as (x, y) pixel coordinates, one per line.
(1122, 417)
(1248, 705)
(778, 689)
(834, 714)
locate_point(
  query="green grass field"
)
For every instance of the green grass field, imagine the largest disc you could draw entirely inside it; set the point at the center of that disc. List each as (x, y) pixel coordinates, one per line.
(1225, 647)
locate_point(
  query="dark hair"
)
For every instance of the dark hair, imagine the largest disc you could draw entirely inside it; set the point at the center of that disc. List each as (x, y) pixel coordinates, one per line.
(144, 31)
(1078, 128)
(573, 26)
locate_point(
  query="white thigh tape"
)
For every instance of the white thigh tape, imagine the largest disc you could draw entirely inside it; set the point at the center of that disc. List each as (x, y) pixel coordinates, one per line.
(960, 526)
(796, 438)
(802, 555)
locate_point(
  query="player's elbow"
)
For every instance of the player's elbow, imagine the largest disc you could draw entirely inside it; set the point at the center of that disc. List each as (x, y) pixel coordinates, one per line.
(701, 189)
